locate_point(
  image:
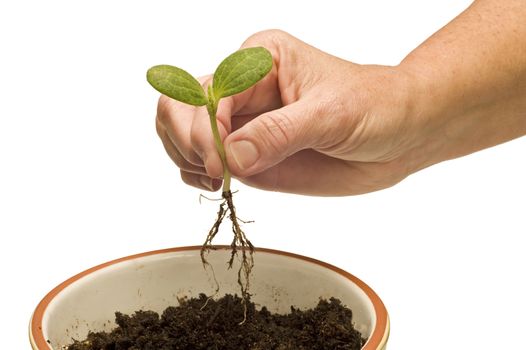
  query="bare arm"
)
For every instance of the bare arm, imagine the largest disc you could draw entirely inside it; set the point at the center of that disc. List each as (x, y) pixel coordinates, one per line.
(470, 81)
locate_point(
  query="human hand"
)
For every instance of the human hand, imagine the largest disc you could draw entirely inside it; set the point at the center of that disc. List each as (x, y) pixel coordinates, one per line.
(315, 125)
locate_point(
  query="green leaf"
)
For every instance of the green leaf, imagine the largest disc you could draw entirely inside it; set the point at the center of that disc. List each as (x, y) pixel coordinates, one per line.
(177, 84)
(241, 70)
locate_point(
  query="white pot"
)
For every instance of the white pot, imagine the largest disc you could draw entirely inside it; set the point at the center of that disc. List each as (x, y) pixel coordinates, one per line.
(155, 280)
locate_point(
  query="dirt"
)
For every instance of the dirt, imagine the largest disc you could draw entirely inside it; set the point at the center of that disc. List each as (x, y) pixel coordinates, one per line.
(190, 326)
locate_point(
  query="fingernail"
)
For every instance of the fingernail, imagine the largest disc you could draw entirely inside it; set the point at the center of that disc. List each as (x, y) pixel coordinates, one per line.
(206, 182)
(216, 184)
(245, 153)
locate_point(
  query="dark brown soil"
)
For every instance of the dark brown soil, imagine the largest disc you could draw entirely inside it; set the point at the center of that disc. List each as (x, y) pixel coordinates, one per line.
(189, 326)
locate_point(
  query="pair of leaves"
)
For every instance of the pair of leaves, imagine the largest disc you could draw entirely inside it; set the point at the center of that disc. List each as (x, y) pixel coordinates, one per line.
(236, 73)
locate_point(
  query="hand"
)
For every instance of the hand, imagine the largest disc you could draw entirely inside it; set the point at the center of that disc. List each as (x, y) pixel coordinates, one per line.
(320, 125)
(315, 125)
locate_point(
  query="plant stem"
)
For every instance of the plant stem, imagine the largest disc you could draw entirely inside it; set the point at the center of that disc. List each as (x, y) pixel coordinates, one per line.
(212, 112)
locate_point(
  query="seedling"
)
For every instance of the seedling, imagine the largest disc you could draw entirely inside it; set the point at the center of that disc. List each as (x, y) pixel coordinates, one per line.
(235, 74)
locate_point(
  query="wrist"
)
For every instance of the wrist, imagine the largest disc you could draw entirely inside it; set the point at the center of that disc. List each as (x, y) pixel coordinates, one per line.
(455, 115)
(386, 114)
(417, 139)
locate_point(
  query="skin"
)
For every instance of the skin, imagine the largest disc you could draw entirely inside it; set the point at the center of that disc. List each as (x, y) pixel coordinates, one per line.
(320, 125)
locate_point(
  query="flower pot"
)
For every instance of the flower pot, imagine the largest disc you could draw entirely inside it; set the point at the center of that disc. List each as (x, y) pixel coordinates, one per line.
(155, 280)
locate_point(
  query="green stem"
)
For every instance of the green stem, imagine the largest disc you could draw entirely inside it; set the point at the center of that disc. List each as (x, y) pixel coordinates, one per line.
(212, 112)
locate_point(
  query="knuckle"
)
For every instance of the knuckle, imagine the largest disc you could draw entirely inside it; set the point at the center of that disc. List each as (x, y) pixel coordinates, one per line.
(188, 178)
(164, 109)
(193, 158)
(179, 161)
(192, 150)
(159, 129)
(196, 137)
(267, 37)
(192, 179)
(189, 156)
(278, 130)
(176, 158)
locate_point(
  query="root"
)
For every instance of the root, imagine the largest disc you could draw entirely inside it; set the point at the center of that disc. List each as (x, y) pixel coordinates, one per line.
(201, 196)
(239, 243)
(206, 266)
(208, 245)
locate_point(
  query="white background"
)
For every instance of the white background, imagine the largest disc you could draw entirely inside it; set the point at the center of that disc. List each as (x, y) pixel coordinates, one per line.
(84, 178)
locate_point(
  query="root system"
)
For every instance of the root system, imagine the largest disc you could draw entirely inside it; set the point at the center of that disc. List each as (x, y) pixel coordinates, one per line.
(240, 244)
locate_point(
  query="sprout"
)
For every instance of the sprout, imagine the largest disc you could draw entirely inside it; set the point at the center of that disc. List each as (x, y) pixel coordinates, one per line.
(235, 74)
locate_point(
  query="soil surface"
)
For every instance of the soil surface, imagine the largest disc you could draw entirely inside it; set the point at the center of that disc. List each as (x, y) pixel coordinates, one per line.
(328, 326)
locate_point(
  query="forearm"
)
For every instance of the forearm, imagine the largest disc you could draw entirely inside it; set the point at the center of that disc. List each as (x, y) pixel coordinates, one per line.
(469, 81)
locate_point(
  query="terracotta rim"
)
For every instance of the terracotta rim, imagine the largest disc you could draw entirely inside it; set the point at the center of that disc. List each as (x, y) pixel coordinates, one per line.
(377, 338)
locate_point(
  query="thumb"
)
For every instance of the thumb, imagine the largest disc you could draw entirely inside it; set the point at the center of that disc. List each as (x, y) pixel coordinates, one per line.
(271, 137)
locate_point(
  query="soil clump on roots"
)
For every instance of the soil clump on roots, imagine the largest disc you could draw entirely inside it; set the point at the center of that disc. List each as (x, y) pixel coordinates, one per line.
(189, 326)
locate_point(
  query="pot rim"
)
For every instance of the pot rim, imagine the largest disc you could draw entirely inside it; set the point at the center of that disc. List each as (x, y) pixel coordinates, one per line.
(377, 339)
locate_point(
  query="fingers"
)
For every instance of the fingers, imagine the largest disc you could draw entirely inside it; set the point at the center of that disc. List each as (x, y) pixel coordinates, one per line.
(200, 181)
(311, 173)
(175, 119)
(306, 172)
(272, 137)
(202, 140)
(292, 74)
(191, 174)
(186, 133)
(261, 98)
(280, 131)
(174, 123)
(174, 153)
